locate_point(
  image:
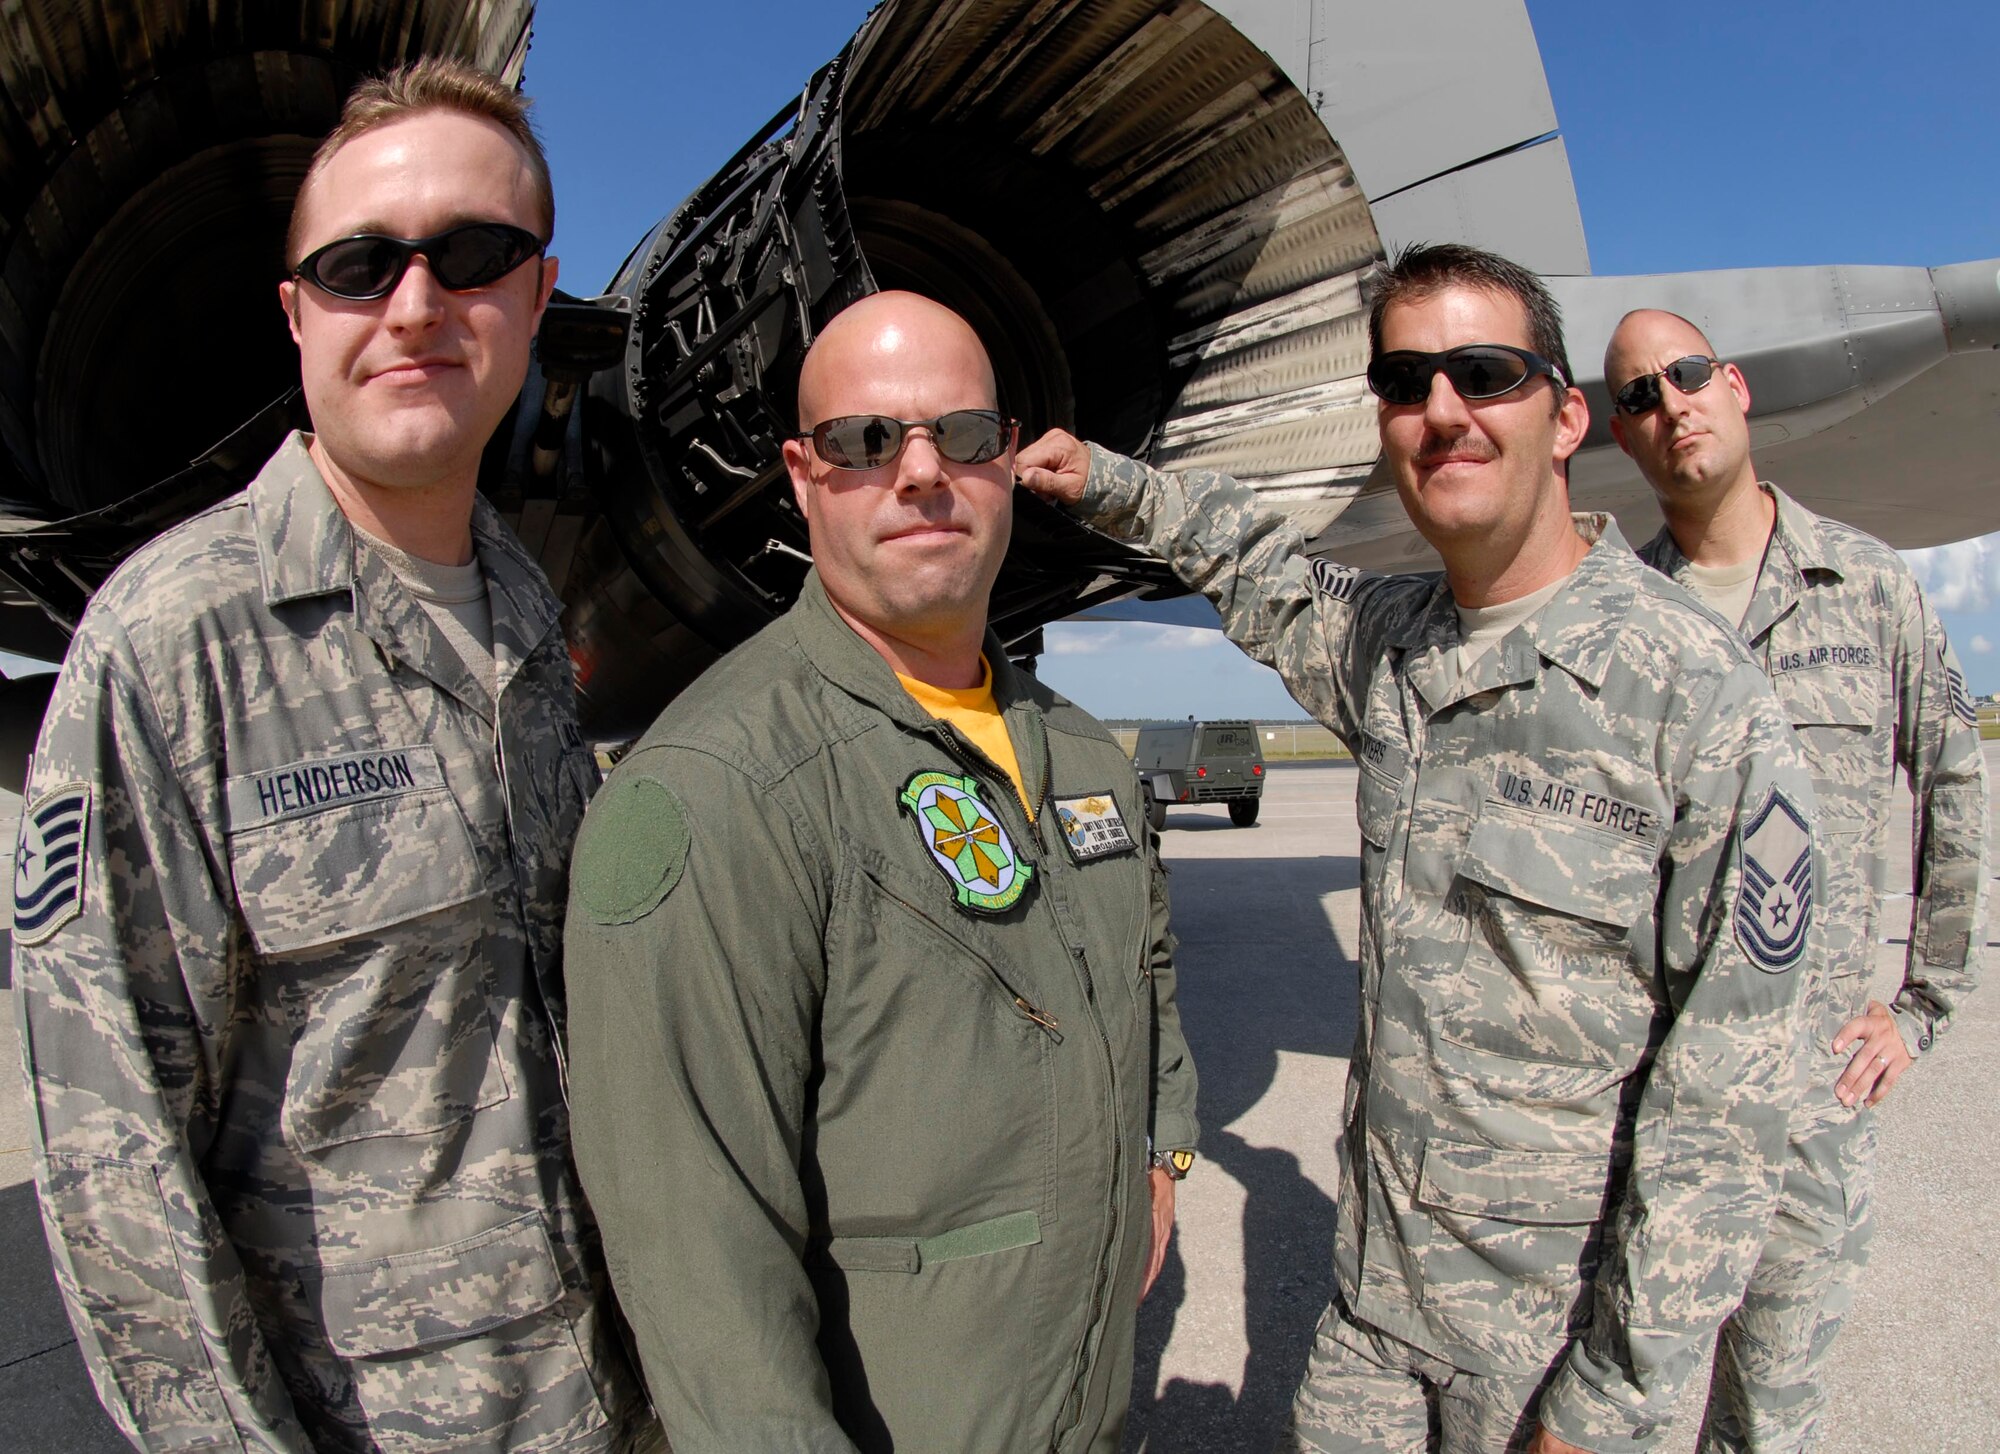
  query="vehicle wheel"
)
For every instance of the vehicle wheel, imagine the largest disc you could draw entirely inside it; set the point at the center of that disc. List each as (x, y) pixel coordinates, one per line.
(1243, 811)
(1156, 811)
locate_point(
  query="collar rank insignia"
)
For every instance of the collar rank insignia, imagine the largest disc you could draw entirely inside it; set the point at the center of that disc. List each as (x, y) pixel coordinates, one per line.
(1093, 827)
(1775, 899)
(48, 863)
(965, 840)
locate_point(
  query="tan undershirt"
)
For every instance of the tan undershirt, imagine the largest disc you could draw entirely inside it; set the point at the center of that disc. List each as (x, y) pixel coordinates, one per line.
(454, 597)
(1725, 589)
(1481, 628)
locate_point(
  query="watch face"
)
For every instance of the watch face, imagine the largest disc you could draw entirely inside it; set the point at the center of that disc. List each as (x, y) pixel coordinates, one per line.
(1182, 1162)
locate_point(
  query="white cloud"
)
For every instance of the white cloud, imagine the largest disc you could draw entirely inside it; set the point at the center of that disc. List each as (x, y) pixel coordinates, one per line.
(1980, 646)
(1962, 576)
(1090, 638)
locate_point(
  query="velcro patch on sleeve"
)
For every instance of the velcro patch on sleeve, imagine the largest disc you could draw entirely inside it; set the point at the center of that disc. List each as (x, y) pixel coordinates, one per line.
(632, 850)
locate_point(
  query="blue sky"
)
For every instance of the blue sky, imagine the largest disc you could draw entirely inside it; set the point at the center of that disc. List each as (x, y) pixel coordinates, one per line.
(1788, 131)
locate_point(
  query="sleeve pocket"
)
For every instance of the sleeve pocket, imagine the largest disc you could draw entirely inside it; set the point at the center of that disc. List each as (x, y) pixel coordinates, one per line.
(120, 1268)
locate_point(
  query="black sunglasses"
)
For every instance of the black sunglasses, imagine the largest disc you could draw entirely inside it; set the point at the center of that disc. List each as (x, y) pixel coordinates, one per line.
(869, 441)
(1476, 371)
(369, 265)
(1689, 375)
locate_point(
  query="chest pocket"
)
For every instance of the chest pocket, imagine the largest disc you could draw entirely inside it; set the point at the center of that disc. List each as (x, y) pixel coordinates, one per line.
(1552, 906)
(1835, 711)
(1551, 866)
(387, 994)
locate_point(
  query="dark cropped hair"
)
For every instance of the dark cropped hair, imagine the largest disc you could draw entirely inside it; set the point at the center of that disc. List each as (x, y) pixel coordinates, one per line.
(1426, 269)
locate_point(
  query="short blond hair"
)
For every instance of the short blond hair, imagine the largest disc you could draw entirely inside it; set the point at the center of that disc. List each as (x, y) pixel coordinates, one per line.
(434, 83)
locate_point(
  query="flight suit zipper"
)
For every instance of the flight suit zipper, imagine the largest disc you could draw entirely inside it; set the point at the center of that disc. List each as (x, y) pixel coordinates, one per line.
(1072, 1406)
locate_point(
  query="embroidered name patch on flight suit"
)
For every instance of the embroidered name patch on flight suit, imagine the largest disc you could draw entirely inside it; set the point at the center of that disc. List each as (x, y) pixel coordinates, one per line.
(1093, 827)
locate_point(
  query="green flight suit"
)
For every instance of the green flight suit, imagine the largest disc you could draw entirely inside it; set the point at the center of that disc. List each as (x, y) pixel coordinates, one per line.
(865, 1064)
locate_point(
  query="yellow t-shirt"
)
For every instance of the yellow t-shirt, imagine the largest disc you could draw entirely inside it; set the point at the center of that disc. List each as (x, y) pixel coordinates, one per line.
(976, 715)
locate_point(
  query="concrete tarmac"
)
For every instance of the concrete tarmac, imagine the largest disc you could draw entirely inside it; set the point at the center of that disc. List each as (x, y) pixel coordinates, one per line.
(1267, 918)
(1267, 922)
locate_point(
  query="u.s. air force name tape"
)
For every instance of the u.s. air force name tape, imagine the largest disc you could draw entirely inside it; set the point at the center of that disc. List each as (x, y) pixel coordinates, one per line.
(315, 784)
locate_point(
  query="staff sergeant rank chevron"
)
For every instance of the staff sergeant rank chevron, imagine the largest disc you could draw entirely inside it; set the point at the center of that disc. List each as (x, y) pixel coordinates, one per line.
(1774, 905)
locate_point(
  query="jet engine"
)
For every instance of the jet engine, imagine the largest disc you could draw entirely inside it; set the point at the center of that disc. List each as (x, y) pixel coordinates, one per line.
(1156, 236)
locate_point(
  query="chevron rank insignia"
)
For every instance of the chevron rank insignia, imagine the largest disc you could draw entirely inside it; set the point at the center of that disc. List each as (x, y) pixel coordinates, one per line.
(1337, 582)
(48, 862)
(1961, 697)
(1774, 902)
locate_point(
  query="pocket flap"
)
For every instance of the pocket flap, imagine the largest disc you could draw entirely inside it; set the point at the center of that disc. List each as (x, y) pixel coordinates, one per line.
(345, 864)
(1558, 865)
(913, 1254)
(1542, 1188)
(416, 1299)
(1825, 698)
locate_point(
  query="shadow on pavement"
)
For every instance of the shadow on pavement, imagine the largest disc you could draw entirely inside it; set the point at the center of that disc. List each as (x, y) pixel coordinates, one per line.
(1261, 971)
(45, 1393)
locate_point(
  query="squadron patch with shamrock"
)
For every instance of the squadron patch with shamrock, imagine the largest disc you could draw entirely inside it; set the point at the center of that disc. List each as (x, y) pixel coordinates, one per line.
(963, 837)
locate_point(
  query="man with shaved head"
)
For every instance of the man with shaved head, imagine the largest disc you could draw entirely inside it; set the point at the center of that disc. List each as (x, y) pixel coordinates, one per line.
(879, 1086)
(1861, 664)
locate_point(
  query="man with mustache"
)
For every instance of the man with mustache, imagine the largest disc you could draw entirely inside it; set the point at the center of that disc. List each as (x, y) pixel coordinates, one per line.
(292, 864)
(880, 1087)
(1587, 898)
(1862, 668)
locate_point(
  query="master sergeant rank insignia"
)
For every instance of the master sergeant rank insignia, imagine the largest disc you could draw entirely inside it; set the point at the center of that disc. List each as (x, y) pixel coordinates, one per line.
(1775, 899)
(965, 840)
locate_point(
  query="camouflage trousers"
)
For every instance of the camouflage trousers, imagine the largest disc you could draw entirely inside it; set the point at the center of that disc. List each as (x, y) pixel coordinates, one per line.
(1766, 1395)
(1366, 1392)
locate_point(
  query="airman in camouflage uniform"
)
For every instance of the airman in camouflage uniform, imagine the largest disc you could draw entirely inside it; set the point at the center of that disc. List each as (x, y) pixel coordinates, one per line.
(1862, 669)
(1587, 890)
(288, 903)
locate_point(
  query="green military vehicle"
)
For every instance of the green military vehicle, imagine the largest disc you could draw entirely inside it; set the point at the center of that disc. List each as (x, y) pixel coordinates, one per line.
(1200, 762)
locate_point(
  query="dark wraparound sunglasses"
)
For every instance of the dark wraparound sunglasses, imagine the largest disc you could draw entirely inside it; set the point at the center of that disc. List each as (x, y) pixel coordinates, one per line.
(369, 265)
(1689, 375)
(869, 441)
(1475, 371)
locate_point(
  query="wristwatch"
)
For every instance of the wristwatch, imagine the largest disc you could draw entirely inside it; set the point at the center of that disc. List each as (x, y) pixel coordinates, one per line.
(1176, 1164)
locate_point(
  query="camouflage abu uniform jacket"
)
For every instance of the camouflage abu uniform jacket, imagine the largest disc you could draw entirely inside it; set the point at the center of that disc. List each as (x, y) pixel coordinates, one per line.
(287, 1016)
(1586, 869)
(866, 1063)
(1862, 667)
